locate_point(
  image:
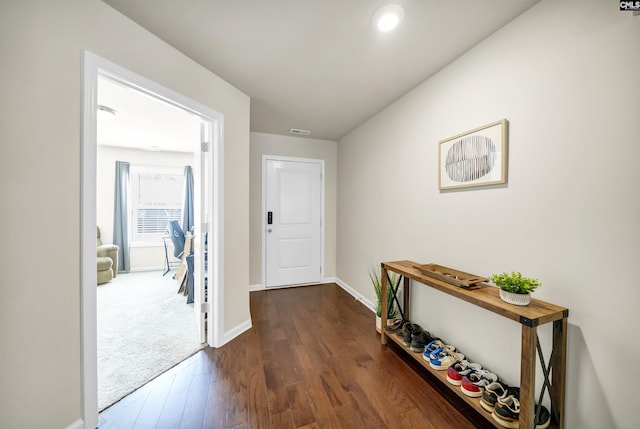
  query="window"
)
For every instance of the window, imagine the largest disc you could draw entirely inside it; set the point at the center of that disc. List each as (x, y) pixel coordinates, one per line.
(156, 199)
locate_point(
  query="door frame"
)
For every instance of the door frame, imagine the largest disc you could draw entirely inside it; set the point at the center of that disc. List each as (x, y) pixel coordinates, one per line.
(92, 67)
(266, 158)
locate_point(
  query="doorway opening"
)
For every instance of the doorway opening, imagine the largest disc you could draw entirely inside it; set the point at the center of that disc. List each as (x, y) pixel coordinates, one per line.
(207, 214)
(144, 170)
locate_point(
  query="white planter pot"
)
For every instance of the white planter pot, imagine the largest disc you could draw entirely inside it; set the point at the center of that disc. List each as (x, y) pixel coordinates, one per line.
(515, 298)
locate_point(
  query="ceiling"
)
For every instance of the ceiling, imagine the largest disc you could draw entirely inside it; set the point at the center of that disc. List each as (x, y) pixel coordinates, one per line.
(320, 65)
(144, 122)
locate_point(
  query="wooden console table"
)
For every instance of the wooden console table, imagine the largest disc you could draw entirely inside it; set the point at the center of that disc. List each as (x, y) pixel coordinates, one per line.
(530, 317)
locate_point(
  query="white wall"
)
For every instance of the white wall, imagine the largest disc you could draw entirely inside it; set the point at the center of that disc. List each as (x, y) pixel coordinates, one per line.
(298, 147)
(41, 46)
(146, 257)
(564, 74)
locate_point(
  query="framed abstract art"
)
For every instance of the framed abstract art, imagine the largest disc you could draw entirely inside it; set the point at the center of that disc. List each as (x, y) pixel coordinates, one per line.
(474, 158)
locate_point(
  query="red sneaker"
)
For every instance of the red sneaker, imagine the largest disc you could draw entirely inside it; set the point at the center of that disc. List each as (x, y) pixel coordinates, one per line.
(459, 369)
(474, 383)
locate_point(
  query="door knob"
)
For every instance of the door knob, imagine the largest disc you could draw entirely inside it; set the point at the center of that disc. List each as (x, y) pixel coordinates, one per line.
(269, 230)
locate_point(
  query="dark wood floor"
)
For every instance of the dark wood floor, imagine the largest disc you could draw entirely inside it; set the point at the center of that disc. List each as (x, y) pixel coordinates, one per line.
(311, 360)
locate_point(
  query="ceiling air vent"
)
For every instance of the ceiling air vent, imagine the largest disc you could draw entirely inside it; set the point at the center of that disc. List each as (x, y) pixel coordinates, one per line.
(299, 132)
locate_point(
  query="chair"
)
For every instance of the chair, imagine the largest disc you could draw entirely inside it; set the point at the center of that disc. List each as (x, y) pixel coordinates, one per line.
(107, 260)
(182, 275)
(175, 234)
(177, 238)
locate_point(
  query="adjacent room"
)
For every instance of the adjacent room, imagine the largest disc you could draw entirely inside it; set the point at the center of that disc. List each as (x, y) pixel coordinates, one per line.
(425, 214)
(145, 207)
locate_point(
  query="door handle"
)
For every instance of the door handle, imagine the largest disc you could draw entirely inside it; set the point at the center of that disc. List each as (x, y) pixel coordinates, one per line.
(269, 230)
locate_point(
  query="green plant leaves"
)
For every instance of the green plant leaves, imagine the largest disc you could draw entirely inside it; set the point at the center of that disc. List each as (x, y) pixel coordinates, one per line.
(392, 280)
(515, 282)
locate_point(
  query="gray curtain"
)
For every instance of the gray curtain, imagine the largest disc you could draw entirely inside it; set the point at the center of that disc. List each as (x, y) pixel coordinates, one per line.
(187, 208)
(121, 215)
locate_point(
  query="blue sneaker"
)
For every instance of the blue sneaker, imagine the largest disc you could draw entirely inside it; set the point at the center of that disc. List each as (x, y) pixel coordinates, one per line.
(443, 358)
(435, 345)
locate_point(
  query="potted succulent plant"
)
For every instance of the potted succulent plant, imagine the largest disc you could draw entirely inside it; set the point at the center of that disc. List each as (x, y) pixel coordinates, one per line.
(392, 311)
(514, 288)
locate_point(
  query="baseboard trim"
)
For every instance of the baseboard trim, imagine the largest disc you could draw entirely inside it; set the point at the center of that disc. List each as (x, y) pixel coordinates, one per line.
(233, 333)
(254, 288)
(78, 424)
(357, 295)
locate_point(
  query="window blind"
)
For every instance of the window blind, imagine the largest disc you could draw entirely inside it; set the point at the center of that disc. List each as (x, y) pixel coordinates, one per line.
(157, 194)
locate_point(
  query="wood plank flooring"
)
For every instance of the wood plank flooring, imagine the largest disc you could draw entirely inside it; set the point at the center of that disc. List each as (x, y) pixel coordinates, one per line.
(311, 361)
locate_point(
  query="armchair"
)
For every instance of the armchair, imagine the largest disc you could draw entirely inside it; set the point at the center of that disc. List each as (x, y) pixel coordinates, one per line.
(107, 258)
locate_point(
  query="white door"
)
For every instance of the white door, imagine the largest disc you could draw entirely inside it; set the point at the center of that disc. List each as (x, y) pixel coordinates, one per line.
(293, 222)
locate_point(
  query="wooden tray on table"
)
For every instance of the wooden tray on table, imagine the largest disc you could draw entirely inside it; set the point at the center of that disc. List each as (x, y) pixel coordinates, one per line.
(450, 275)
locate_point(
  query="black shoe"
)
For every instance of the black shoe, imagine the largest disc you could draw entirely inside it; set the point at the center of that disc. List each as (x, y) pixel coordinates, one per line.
(495, 391)
(395, 326)
(419, 340)
(408, 332)
(402, 331)
(507, 410)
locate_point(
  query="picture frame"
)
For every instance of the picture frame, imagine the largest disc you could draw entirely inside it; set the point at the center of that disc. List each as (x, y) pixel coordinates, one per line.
(474, 158)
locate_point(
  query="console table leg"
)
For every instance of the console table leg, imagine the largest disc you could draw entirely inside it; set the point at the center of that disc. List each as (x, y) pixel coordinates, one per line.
(528, 377)
(384, 305)
(558, 365)
(405, 301)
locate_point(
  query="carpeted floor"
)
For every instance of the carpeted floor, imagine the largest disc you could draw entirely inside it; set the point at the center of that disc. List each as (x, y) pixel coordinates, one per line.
(144, 328)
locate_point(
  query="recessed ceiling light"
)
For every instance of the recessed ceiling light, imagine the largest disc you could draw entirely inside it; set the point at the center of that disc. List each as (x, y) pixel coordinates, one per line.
(388, 17)
(106, 113)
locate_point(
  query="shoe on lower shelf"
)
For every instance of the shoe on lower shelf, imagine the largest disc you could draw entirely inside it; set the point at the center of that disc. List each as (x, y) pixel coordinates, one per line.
(419, 341)
(459, 369)
(507, 412)
(495, 391)
(442, 359)
(474, 383)
(403, 328)
(409, 329)
(394, 325)
(434, 345)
